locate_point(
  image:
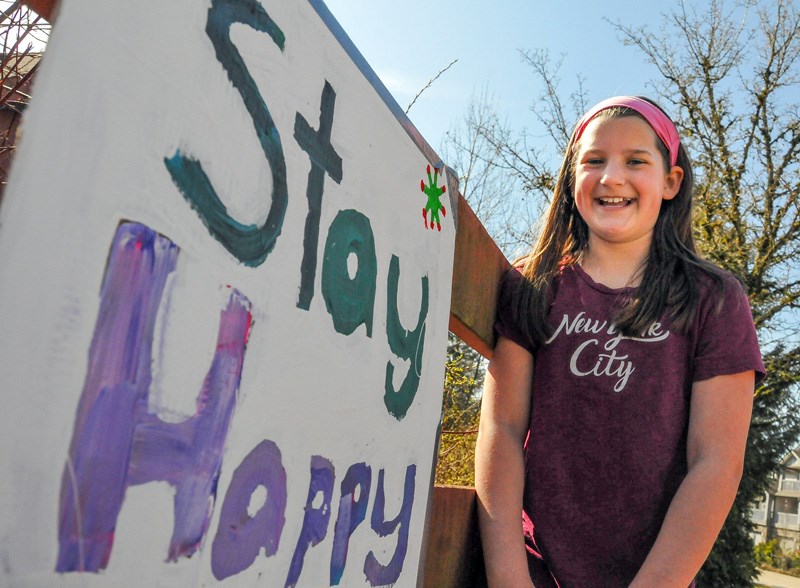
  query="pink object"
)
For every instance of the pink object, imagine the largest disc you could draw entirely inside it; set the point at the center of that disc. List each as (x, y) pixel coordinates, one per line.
(660, 122)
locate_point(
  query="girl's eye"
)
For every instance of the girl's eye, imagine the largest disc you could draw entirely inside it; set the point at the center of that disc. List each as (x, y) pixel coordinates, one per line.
(594, 161)
(636, 162)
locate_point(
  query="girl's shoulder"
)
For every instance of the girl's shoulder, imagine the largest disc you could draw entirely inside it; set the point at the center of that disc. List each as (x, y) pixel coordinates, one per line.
(512, 279)
(516, 279)
(723, 329)
(511, 317)
(720, 292)
(715, 281)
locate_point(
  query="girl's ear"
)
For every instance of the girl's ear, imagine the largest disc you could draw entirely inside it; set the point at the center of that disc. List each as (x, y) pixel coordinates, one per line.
(672, 182)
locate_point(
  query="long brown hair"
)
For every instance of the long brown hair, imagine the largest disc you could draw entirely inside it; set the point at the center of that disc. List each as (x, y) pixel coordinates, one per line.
(669, 278)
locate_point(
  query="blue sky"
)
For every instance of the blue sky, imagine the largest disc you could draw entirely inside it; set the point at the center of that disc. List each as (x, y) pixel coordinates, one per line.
(408, 42)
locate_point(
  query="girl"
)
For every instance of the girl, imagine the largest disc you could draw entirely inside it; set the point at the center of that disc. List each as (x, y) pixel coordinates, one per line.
(617, 402)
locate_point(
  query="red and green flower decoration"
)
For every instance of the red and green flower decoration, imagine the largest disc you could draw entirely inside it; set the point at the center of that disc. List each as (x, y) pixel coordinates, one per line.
(434, 204)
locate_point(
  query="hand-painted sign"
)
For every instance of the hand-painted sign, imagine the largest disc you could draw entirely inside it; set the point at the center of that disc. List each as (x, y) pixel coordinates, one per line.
(222, 327)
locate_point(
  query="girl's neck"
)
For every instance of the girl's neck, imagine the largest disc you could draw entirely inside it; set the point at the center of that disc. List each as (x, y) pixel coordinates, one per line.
(617, 266)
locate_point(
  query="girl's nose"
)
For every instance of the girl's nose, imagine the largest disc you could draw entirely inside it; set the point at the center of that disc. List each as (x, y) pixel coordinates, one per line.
(613, 174)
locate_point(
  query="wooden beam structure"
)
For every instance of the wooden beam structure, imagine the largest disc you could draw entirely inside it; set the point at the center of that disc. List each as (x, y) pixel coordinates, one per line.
(477, 268)
(44, 8)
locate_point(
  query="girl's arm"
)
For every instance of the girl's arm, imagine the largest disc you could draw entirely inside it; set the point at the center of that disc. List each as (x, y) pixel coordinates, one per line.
(499, 466)
(718, 423)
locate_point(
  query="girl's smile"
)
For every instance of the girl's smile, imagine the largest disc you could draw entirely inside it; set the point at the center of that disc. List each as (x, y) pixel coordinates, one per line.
(615, 201)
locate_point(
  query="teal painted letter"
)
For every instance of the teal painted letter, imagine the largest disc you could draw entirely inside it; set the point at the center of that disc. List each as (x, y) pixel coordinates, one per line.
(404, 344)
(349, 301)
(250, 244)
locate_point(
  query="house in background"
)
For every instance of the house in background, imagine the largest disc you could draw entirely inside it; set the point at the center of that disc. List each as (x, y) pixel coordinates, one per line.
(777, 515)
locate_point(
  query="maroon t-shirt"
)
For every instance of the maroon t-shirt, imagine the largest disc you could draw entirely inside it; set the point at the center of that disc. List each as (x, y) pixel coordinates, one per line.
(606, 450)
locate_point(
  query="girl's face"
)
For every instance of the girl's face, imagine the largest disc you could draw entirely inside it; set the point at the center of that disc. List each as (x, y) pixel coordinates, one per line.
(621, 180)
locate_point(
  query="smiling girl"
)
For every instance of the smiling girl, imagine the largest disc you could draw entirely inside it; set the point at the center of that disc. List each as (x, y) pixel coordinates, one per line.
(618, 398)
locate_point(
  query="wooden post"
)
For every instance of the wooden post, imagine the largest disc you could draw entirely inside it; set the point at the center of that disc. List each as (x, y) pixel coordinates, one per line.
(454, 558)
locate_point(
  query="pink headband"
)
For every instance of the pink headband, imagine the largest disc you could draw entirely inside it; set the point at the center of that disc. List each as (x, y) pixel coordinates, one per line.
(660, 122)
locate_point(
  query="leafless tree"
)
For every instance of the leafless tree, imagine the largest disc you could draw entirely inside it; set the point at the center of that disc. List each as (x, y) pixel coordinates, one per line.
(23, 36)
(476, 146)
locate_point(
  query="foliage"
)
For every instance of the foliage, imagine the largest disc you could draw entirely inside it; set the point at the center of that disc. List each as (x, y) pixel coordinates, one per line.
(732, 562)
(768, 553)
(460, 413)
(493, 193)
(770, 556)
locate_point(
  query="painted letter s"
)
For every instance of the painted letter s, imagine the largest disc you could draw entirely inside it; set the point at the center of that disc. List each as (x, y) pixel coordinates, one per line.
(250, 244)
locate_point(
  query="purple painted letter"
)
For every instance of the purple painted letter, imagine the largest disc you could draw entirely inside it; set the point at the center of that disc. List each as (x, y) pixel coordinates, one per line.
(240, 536)
(352, 511)
(316, 519)
(116, 441)
(377, 573)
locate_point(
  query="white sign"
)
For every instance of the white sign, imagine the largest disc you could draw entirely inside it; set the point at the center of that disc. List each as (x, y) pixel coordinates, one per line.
(225, 264)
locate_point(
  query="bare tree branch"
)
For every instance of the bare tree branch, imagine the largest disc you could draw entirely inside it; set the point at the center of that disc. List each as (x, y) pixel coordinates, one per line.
(430, 83)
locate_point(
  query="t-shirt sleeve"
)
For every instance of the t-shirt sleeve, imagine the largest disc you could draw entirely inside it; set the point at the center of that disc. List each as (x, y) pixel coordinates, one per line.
(507, 323)
(727, 342)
